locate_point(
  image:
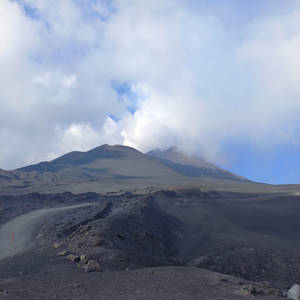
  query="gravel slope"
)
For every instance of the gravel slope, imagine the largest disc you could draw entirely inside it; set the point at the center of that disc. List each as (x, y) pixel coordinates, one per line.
(168, 283)
(16, 235)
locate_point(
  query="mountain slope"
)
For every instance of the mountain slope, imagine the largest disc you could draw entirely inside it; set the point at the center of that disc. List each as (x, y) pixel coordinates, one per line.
(116, 169)
(6, 175)
(105, 162)
(192, 166)
(102, 169)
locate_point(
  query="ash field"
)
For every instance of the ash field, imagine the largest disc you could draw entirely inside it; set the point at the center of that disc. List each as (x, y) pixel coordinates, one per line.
(114, 223)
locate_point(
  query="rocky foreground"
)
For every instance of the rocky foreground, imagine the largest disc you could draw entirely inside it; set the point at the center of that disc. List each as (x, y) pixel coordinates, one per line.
(60, 280)
(161, 245)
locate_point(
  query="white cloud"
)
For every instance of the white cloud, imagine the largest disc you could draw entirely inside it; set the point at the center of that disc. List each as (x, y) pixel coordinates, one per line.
(42, 79)
(195, 83)
(102, 9)
(78, 136)
(69, 81)
(83, 136)
(16, 31)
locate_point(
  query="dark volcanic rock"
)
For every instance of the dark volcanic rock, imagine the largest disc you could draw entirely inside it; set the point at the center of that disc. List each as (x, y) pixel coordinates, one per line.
(205, 229)
(168, 283)
(72, 257)
(136, 235)
(223, 232)
(253, 264)
(91, 266)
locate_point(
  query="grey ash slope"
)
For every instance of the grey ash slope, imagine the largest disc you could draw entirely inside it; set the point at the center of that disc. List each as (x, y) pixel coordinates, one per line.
(192, 166)
(6, 175)
(77, 158)
(102, 169)
(106, 162)
(213, 230)
(113, 169)
(116, 169)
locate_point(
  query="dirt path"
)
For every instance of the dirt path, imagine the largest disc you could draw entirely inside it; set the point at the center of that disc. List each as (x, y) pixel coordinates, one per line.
(16, 235)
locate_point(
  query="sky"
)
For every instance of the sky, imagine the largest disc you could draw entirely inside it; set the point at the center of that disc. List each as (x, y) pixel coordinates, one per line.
(216, 78)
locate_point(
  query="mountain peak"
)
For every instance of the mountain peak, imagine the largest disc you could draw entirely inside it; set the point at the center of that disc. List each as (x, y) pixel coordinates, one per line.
(77, 158)
(111, 147)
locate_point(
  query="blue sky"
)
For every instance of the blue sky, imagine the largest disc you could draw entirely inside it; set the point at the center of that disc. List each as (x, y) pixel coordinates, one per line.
(278, 166)
(216, 78)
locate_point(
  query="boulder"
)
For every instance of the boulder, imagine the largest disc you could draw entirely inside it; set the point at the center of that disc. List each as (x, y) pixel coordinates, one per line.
(294, 292)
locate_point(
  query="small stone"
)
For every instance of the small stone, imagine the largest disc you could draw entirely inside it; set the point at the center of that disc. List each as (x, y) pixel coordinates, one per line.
(92, 266)
(83, 259)
(64, 253)
(57, 245)
(73, 257)
(249, 290)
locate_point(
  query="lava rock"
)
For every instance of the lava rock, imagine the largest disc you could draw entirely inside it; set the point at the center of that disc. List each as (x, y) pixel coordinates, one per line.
(84, 259)
(64, 253)
(74, 258)
(91, 266)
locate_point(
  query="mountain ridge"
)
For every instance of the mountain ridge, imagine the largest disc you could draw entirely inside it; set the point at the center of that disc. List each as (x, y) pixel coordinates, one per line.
(182, 163)
(117, 168)
(191, 165)
(80, 157)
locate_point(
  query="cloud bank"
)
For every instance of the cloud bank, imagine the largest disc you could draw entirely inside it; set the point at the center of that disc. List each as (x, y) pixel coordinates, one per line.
(149, 74)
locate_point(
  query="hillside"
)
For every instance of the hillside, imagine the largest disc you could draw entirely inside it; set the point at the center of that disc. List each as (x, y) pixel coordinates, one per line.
(106, 162)
(115, 169)
(192, 166)
(181, 230)
(162, 209)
